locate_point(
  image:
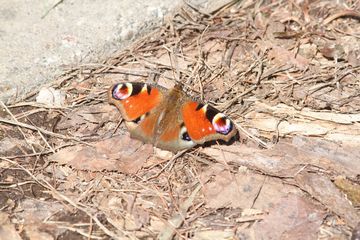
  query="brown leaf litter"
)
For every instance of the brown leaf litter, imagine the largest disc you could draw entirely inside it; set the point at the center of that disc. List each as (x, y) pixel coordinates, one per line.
(125, 155)
(296, 218)
(286, 72)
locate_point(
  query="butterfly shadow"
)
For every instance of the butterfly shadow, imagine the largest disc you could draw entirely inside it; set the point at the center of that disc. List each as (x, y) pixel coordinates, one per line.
(234, 139)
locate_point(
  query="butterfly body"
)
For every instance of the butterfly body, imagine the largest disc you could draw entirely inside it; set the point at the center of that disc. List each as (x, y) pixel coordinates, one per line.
(168, 119)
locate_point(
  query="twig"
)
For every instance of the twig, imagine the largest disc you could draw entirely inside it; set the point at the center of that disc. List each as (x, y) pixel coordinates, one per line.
(141, 73)
(10, 113)
(258, 192)
(251, 136)
(177, 219)
(87, 235)
(346, 13)
(166, 165)
(35, 104)
(39, 153)
(46, 132)
(250, 218)
(53, 7)
(42, 137)
(48, 186)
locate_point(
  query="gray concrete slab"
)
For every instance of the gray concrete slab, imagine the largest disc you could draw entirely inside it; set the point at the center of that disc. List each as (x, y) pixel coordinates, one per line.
(38, 38)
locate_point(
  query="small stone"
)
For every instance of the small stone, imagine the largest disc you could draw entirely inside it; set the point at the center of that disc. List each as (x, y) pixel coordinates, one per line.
(51, 97)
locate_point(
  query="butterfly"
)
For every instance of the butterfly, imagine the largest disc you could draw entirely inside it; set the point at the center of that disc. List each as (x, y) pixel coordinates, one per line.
(168, 119)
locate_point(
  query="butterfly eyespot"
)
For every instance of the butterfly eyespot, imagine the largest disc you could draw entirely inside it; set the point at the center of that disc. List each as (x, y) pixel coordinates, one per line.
(222, 124)
(185, 136)
(122, 91)
(139, 119)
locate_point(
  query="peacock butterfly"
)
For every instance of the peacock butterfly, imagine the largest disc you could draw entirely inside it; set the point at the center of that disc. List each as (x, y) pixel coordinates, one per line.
(168, 119)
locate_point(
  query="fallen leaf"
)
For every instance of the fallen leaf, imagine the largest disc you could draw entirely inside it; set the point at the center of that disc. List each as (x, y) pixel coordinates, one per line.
(136, 216)
(308, 50)
(177, 219)
(214, 235)
(7, 229)
(352, 190)
(354, 58)
(7, 144)
(287, 158)
(248, 156)
(283, 57)
(244, 190)
(333, 51)
(36, 211)
(308, 113)
(111, 205)
(141, 216)
(322, 189)
(34, 232)
(120, 153)
(340, 158)
(338, 127)
(90, 116)
(156, 224)
(294, 217)
(228, 190)
(356, 233)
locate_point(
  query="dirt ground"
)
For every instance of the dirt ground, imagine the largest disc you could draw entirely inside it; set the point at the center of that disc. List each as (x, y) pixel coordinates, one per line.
(286, 72)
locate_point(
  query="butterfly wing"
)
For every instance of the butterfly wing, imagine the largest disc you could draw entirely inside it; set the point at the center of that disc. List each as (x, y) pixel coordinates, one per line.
(170, 132)
(174, 136)
(134, 100)
(137, 103)
(168, 119)
(205, 123)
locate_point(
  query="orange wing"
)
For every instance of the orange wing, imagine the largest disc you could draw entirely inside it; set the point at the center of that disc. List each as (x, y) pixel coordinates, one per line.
(134, 99)
(205, 123)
